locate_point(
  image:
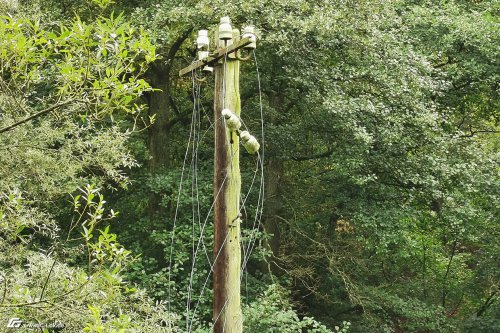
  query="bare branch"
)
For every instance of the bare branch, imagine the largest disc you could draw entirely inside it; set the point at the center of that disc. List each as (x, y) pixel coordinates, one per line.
(36, 115)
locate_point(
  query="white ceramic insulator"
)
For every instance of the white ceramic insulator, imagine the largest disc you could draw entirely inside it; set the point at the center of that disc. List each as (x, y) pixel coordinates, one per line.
(249, 142)
(225, 29)
(232, 120)
(249, 32)
(202, 41)
(202, 55)
(226, 113)
(208, 69)
(233, 123)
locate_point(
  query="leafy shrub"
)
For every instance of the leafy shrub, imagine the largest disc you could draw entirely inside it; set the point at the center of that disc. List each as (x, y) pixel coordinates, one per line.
(40, 284)
(273, 312)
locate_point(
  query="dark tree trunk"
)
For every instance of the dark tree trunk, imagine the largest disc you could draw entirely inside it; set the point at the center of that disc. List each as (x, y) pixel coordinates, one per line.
(273, 207)
(160, 105)
(273, 203)
(158, 134)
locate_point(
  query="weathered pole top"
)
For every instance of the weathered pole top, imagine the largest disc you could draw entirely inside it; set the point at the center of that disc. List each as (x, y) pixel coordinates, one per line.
(228, 41)
(216, 56)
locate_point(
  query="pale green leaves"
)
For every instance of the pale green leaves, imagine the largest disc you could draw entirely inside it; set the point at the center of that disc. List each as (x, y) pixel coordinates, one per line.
(103, 3)
(87, 63)
(17, 217)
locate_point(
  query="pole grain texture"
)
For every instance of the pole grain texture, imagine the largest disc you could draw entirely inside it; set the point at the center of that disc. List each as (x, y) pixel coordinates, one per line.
(227, 187)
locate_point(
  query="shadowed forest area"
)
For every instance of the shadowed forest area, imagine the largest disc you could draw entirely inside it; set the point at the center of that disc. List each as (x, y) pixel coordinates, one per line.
(373, 205)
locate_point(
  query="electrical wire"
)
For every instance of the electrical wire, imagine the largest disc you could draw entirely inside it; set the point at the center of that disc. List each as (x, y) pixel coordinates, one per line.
(260, 201)
(195, 208)
(247, 250)
(176, 214)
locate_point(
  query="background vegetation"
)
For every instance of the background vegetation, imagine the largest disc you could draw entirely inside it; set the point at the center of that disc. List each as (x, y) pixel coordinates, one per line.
(381, 165)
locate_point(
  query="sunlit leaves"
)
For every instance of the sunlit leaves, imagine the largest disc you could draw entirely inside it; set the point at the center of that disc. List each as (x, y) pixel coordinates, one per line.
(86, 62)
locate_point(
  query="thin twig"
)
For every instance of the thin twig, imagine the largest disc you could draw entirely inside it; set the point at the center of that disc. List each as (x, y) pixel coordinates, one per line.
(47, 279)
(44, 301)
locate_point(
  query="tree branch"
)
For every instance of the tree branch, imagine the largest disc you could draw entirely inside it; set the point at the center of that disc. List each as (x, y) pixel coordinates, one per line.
(47, 279)
(175, 48)
(474, 132)
(36, 115)
(487, 303)
(327, 153)
(174, 105)
(445, 292)
(48, 300)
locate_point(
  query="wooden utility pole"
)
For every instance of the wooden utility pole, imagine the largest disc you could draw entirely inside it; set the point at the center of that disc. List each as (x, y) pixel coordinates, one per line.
(227, 313)
(227, 186)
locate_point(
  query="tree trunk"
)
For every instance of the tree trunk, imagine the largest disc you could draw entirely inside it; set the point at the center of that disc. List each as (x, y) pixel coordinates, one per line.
(158, 139)
(160, 105)
(273, 206)
(273, 203)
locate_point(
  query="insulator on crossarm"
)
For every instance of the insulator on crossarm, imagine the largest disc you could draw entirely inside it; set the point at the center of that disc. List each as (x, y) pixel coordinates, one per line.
(202, 55)
(232, 120)
(249, 142)
(249, 32)
(203, 42)
(225, 29)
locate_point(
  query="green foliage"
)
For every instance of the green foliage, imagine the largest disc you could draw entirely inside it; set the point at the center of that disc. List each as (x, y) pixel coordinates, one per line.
(153, 237)
(94, 65)
(163, 270)
(77, 74)
(40, 286)
(273, 312)
(377, 111)
(380, 119)
(16, 216)
(103, 3)
(408, 315)
(67, 94)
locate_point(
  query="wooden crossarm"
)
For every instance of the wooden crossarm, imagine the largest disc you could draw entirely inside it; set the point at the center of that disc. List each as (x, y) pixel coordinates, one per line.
(216, 56)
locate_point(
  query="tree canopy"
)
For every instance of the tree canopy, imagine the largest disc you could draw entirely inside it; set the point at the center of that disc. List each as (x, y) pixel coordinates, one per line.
(381, 189)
